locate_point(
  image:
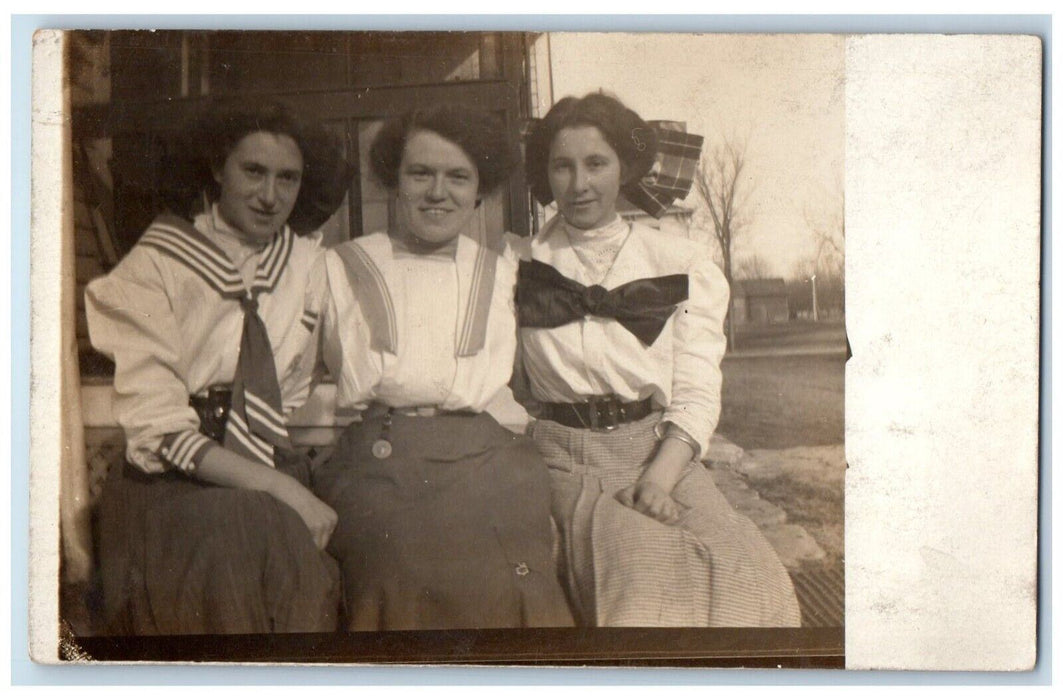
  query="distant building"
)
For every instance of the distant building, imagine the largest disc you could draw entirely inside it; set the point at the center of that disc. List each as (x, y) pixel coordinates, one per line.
(760, 301)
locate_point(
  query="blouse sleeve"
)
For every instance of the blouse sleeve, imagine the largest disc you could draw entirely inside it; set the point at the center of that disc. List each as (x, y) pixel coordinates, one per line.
(131, 321)
(307, 369)
(699, 345)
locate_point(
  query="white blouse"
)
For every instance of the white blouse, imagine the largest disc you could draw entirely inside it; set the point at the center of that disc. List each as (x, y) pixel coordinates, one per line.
(430, 300)
(596, 356)
(172, 334)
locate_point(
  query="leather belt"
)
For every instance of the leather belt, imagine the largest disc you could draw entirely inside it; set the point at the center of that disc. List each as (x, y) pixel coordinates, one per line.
(598, 413)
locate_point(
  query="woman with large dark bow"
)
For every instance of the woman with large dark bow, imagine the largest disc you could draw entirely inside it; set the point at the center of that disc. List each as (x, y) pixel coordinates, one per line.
(622, 338)
(209, 527)
(444, 515)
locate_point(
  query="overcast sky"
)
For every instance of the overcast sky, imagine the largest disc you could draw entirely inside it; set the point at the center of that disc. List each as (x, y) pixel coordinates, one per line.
(785, 93)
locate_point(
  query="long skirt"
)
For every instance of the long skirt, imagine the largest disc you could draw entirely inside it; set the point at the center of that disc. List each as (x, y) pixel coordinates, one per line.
(177, 556)
(451, 530)
(625, 569)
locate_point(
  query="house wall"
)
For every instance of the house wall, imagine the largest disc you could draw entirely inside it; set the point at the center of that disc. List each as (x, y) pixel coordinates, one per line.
(761, 309)
(131, 88)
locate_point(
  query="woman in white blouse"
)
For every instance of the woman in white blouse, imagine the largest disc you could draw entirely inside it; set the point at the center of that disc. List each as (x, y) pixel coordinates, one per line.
(210, 526)
(444, 515)
(621, 336)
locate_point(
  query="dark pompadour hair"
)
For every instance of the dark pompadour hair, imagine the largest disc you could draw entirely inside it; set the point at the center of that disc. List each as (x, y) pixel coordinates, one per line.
(480, 134)
(194, 156)
(634, 141)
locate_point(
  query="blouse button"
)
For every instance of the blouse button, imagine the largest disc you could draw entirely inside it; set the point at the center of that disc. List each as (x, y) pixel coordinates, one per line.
(522, 569)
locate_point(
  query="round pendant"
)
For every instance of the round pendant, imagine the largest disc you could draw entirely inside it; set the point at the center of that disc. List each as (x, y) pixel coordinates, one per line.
(381, 449)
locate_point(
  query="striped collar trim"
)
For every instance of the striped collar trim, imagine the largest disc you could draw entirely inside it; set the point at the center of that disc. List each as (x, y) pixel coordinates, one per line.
(370, 280)
(178, 239)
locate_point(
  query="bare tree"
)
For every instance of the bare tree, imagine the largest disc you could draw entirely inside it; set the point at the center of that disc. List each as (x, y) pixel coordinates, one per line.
(829, 285)
(752, 267)
(724, 185)
(827, 225)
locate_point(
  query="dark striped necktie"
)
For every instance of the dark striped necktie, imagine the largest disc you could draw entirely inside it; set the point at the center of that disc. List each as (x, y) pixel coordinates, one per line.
(256, 416)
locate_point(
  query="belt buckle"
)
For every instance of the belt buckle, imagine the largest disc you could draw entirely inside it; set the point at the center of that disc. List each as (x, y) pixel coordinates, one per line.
(612, 414)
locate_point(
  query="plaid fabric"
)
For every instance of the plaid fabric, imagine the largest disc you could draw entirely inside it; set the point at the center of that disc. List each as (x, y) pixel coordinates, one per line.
(623, 569)
(672, 174)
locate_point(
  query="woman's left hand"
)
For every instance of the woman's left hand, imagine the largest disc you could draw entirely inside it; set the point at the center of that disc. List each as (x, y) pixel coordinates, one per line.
(650, 499)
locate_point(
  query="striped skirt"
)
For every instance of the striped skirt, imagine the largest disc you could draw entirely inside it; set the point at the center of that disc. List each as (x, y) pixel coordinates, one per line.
(623, 569)
(450, 530)
(179, 556)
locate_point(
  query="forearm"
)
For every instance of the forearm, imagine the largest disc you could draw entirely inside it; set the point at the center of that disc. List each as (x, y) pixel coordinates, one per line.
(667, 465)
(226, 468)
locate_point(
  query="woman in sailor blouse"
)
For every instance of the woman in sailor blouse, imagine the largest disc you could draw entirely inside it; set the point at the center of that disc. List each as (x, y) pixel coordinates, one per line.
(444, 515)
(210, 527)
(621, 337)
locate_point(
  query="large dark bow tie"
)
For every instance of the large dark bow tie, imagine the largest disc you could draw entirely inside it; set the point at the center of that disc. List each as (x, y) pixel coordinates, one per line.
(548, 299)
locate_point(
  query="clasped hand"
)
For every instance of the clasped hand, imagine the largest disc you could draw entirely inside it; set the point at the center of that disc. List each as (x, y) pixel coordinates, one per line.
(650, 499)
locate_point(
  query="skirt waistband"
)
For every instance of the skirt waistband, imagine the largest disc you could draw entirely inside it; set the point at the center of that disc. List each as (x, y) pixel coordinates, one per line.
(377, 410)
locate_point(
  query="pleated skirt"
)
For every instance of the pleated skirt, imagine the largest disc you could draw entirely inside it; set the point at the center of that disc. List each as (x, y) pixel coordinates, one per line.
(178, 556)
(451, 530)
(624, 569)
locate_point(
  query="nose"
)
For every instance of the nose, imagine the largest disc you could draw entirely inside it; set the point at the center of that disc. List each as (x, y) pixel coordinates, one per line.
(437, 192)
(579, 179)
(267, 192)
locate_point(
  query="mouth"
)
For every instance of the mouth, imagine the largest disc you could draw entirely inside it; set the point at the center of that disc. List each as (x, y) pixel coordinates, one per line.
(435, 212)
(263, 214)
(583, 203)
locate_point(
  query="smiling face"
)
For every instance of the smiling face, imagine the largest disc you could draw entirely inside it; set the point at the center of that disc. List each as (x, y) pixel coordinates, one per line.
(585, 174)
(437, 189)
(259, 184)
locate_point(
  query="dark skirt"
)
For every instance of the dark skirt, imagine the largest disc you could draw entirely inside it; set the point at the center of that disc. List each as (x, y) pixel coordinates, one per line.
(178, 556)
(450, 531)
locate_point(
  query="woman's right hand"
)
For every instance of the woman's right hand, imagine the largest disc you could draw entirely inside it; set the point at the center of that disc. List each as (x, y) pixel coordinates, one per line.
(226, 468)
(320, 519)
(651, 500)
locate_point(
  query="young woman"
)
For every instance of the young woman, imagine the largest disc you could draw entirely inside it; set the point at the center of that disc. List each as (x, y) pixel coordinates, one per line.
(621, 331)
(210, 526)
(444, 515)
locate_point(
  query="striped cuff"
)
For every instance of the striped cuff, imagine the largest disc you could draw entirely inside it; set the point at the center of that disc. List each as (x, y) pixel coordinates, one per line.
(184, 450)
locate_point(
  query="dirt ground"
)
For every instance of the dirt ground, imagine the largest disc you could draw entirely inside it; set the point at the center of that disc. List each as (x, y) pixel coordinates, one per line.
(781, 402)
(809, 484)
(789, 335)
(788, 414)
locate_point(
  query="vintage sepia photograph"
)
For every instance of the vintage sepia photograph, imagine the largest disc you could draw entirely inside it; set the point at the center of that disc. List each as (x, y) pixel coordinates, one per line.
(454, 347)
